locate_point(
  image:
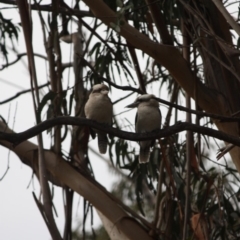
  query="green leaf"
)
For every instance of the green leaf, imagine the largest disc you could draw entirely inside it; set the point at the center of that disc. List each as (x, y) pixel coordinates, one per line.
(119, 3)
(49, 96)
(95, 48)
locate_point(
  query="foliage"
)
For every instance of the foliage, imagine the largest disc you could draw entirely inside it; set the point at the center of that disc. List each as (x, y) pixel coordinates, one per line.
(8, 30)
(183, 193)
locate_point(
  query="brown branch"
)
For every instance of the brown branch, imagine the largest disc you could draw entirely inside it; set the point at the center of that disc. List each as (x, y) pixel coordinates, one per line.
(229, 68)
(124, 88)
(17, 138)
(179, 70)
(26, 21)
(22, 92)
(171, 103)
(123, 98)
(19, 56)
(133, 54)
(49, 8)
(86, 25)
(199, 113)
(158, 197)
(161, 53)
(227, 16)
(158, 19)
(86, 186)
(56, 51)
(189, 141)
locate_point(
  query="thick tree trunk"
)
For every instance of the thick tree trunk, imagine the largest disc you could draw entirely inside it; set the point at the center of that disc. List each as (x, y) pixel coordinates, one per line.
(67, 175)
(208, 99)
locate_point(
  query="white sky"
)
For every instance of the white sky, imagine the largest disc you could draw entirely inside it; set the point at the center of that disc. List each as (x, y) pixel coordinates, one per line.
(19, 215)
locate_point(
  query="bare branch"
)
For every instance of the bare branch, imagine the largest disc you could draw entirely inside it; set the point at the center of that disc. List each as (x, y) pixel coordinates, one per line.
(87, 187)
(137, 68)
(22, 92)
(162, 54)
(49, 8)
(159, 21)
(199, 113)
(125, 88)
(17, 138)
(19, 56)
(47, 201)
(227, 16)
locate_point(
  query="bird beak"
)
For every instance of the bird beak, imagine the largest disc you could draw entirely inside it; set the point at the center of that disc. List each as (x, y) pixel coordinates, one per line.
(132, 105)
(104, 92)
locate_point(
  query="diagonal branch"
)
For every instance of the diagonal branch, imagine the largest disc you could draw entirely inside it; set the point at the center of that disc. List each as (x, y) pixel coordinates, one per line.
(227, 16)
(125, 88)
(137, 68)
(22, 92)
(47, 202)
(180, 69)
(19, 56)
(158, 19)
(87, 187)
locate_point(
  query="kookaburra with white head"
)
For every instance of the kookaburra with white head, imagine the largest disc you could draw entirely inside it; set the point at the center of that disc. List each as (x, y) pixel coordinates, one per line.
(99, 108)
(148, 119)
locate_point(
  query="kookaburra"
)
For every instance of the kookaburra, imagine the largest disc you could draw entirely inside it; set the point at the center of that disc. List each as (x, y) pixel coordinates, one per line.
(148, 119)
(99, 108)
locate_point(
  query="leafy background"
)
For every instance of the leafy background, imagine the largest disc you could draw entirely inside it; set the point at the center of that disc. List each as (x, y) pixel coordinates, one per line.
(214, 185)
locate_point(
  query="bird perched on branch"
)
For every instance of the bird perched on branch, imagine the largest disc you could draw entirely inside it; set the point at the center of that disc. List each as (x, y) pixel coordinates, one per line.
(99, 108)
(148, 119)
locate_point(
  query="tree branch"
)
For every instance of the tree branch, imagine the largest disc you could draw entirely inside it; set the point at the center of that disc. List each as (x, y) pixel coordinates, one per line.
(26, 20)
(199, 113)
(227, 16)
(180, 70)
(158, 19)
(84, 185)
(17, 138)
(19, 56)
(124, 88)
(22, 92)
(49, 8)
(136, 66)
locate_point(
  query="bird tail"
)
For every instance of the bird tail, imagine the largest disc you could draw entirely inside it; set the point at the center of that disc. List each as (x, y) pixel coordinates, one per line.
(102, 143)
(144, 154)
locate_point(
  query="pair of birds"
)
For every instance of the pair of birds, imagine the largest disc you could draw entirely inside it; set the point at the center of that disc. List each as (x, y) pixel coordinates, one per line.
(148, 118)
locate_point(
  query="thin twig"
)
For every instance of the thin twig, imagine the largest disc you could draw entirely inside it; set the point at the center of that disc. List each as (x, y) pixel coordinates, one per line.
(22, 92)
(133, 54)
(19, 56)
(125, 88)
(200, 113)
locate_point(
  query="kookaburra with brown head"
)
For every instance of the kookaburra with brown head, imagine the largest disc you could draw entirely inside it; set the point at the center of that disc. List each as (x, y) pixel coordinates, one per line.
(99, 108)
(148, 119)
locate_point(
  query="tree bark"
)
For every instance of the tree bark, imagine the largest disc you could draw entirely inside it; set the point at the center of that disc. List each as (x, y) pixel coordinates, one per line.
(208, 99)
(67, 175)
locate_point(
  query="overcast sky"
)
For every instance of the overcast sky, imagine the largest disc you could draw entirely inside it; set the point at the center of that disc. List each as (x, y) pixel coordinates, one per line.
(19, 215)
